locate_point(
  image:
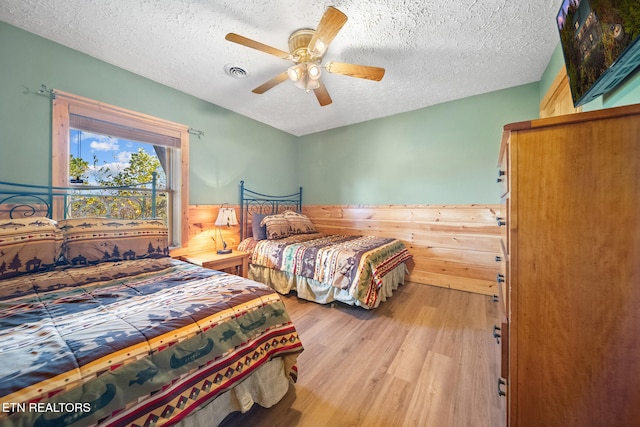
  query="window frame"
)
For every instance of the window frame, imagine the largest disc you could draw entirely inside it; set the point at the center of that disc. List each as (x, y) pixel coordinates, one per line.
(63, 105)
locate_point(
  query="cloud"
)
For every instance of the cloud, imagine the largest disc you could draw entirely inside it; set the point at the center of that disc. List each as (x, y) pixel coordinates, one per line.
(124, 157)
(121, 162)
(103, 171)
(105, 144)
(114, 167)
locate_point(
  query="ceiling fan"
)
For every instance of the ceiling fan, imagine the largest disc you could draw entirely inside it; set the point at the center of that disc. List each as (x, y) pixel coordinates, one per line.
(306, 49)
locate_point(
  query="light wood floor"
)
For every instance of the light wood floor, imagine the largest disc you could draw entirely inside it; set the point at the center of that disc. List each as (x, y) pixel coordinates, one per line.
(425, 357)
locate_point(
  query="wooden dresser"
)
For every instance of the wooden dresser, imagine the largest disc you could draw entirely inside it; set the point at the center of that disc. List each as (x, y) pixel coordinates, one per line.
(570, 188)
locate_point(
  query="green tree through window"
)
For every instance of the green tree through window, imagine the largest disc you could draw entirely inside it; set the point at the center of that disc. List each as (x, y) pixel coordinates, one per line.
(104, 161)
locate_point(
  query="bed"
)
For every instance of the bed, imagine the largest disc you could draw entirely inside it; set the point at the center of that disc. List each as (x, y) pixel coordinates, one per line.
(99, 326)
(289, 254)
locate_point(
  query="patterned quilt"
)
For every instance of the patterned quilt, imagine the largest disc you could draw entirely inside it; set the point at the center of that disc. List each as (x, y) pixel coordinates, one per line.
(139, 342)
(353, 263)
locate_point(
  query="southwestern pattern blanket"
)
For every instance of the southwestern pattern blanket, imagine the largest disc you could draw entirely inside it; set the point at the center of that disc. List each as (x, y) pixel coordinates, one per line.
(133, 342)
(353, 263)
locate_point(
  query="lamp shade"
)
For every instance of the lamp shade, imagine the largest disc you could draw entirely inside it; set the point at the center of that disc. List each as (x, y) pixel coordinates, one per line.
(226, 216)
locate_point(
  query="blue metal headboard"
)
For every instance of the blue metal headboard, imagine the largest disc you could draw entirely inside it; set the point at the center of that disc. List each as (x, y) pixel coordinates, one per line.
(26, 200)
(252, 202)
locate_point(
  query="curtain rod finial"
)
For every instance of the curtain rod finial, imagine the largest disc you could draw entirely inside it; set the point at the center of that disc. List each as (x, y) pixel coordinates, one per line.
(196, 132)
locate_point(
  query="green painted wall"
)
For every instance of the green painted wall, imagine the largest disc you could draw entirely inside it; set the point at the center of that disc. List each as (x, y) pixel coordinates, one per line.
(233, 147)
(441, 154)
(444, 154)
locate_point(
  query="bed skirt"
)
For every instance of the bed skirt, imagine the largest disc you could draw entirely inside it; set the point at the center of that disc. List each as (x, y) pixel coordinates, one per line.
(321, 293)
(265, 387)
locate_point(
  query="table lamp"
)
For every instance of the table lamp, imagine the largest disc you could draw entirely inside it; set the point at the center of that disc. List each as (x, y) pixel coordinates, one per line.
(226, 216)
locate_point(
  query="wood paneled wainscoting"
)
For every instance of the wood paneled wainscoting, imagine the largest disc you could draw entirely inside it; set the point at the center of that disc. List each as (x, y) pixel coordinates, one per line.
(453, 246)
(202, 231)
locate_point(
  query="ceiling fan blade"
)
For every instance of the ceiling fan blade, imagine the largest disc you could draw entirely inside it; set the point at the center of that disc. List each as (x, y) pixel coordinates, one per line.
(271, 83)
(355, 70)
(236, 38)
(328, 27)
(323, 95)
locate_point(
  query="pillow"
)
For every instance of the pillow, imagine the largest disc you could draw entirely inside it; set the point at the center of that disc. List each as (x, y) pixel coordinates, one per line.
(277, 226)
(299, 223)
(259, 231)
(27, 245)
(94, 240)
(248, 245)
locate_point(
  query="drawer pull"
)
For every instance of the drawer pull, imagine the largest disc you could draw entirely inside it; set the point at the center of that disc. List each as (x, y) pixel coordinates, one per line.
(496, 333)
(501, 382)
(501, 221)
(498, 258)
(500, 278)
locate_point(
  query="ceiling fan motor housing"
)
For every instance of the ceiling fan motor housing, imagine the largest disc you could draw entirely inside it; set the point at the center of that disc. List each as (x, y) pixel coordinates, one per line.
(298, 43)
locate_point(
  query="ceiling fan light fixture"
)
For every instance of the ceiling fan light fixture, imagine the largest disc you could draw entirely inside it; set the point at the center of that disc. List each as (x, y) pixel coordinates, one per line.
(306, 49)
(311, 85)
(307, 84)
(295, 72)
(305, 75)
(313, 70)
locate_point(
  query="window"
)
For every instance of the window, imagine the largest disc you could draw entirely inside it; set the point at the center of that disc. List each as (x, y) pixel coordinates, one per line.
(98, 159)
(169, 141)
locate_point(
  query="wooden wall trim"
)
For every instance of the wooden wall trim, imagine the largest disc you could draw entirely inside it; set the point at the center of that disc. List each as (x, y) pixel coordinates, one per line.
(200, 230)
(453, 246)
(558, 101)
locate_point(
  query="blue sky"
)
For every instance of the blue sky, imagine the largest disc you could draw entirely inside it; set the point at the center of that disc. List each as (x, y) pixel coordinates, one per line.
(110, 151)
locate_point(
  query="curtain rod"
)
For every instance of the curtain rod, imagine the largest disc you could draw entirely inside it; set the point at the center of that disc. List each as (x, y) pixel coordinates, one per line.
(51, 94)
(196, 132)
(43, 91)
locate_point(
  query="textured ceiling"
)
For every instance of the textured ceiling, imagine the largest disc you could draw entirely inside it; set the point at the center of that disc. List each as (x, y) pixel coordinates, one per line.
(433, 50)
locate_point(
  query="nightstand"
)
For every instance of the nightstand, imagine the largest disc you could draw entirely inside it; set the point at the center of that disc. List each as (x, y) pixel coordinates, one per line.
(236, 260)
